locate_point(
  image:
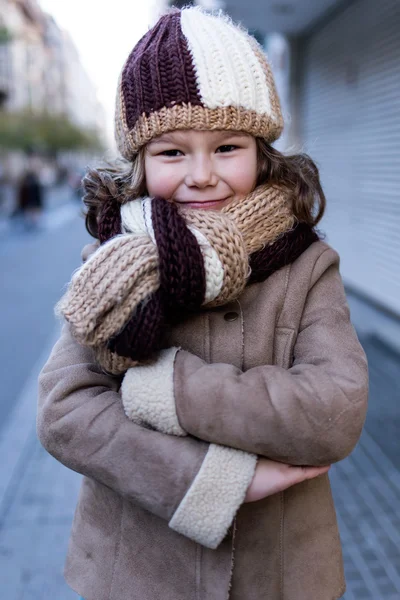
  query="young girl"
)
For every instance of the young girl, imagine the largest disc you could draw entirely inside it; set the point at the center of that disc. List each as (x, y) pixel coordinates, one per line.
(208, 362)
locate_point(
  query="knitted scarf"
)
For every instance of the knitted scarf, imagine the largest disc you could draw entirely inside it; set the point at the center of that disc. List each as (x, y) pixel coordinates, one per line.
(158, 262)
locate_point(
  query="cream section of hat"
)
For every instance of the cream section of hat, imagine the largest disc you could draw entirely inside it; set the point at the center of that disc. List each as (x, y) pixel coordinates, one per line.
(228, 70)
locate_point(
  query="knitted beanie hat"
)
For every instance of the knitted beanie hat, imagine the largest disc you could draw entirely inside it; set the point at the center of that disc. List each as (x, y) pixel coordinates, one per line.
(195, 70)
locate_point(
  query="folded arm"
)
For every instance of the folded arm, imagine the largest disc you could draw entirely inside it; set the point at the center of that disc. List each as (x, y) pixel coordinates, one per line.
(195, 486)
(310, 414)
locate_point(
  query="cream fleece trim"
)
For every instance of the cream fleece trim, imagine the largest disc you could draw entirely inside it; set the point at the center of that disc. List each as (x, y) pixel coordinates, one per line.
(217, 491)
(148, 394)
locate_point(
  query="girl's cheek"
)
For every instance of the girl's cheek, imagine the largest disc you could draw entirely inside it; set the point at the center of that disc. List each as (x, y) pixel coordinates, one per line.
(245, 176)
(237, 176)
(162, 182)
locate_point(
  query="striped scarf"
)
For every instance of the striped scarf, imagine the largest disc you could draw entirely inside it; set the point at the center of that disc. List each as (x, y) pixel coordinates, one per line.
(158, 262)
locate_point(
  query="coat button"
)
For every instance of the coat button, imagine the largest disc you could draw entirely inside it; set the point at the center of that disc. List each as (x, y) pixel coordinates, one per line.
(231, 316)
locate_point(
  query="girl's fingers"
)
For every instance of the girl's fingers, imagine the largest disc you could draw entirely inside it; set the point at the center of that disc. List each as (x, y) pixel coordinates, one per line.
(311, 472)
(272, 477)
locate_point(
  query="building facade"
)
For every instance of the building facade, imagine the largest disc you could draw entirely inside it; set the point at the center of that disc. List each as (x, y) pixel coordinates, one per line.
(339, 78)
(40, 68)
(350, 123)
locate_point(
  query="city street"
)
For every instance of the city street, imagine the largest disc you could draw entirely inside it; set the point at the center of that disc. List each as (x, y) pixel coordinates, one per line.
(38, 495)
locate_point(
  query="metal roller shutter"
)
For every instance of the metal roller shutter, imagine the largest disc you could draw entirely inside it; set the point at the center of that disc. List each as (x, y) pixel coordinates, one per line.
(351, 127)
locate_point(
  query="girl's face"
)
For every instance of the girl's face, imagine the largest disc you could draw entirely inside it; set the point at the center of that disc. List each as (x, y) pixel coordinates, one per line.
(201, 169)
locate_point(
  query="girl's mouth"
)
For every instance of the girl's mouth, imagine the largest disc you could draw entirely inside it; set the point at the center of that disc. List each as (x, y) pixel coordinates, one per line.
(206, 204)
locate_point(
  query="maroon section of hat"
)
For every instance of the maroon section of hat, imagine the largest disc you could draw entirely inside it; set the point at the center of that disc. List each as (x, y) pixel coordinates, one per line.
(159, 71)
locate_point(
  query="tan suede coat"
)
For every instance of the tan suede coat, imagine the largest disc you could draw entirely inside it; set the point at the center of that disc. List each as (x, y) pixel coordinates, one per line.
(278, 373)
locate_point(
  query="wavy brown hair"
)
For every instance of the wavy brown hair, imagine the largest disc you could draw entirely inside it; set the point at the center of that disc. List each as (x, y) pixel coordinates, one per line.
(124, 181)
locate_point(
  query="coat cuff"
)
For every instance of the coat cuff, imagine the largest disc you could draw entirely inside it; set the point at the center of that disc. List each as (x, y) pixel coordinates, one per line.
(148, 394)
(219, 488)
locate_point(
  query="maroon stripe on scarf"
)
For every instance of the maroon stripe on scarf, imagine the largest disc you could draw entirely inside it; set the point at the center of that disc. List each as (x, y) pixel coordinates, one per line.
(181, 265)
(282, 252)
(159, 71)
(182, 285)
(143, 334)
(109, 222)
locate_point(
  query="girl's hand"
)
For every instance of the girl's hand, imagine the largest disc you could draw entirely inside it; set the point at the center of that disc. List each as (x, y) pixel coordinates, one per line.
(271, 477)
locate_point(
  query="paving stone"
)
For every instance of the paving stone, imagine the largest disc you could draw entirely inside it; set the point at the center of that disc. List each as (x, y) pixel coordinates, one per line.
(35, 528)
(360, 591)
(366, 488)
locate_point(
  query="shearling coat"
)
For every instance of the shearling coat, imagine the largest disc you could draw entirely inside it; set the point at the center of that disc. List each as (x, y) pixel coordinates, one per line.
(277, 373)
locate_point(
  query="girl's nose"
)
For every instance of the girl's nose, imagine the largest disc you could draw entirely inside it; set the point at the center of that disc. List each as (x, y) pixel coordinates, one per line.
(201, 172)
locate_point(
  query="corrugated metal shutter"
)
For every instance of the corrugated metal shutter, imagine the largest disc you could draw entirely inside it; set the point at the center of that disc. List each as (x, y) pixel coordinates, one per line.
(351, 127)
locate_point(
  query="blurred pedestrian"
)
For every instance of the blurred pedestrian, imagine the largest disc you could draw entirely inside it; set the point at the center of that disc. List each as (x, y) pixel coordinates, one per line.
(208, 373)
(30, 199)
(75, 182)
(2, 194)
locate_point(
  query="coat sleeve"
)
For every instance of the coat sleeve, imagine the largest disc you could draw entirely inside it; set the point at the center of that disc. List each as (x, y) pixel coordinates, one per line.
(310, 414)
(197, 487)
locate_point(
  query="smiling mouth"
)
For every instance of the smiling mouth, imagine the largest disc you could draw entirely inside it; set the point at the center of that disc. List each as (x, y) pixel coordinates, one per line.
(218, 201)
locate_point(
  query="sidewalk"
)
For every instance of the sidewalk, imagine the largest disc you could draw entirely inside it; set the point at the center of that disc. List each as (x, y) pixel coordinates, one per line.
(366, 488)
(38, 495)
(37, 502)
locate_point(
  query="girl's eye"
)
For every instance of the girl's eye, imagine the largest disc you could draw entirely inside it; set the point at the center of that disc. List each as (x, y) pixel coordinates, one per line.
(171, 153)
(226, 148)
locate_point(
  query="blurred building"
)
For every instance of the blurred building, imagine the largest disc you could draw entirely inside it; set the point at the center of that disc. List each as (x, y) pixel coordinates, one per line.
(22, 52)
(40, 68)
(337, 66)
(80, 97)
(349, 119)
